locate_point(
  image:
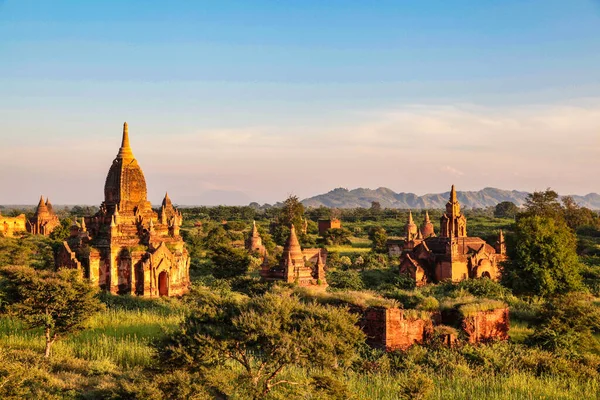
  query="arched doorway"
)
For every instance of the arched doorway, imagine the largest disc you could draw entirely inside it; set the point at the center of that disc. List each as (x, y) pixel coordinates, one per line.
(486, 274)
(163, 284)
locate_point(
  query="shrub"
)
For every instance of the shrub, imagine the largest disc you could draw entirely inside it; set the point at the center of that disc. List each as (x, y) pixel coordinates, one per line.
(348, 279)
(417, 386)
(567, 323)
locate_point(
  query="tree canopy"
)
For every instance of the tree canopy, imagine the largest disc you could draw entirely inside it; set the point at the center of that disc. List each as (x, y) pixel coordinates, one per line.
(506, 209)
(59, 302)
(543, 257)
(263, 335)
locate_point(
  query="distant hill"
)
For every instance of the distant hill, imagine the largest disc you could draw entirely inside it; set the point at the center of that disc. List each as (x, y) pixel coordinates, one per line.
(344, 198)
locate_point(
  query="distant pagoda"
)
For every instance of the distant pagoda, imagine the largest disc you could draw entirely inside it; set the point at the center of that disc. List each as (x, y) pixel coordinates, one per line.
(303, 267)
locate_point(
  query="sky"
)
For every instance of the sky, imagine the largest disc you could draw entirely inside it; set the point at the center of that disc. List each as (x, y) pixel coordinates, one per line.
(230, 102)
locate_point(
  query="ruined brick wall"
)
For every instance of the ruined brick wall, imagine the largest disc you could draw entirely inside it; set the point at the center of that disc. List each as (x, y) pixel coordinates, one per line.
(325, 224)
(389, 329)
(66, 258)
(486, 326)
(11, 225)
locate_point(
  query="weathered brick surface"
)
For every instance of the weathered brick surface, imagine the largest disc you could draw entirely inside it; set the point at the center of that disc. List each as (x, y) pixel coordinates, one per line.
(388, 328)
(486, 326)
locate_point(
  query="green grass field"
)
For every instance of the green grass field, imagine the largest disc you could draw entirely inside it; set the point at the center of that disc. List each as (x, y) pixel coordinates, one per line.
(118, 341)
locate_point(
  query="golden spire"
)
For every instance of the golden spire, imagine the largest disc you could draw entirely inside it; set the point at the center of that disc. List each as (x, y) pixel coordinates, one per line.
(125, 150)
(453, 198)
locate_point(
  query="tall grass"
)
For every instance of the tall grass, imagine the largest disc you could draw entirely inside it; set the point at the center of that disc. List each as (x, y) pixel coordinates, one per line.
(121, 336)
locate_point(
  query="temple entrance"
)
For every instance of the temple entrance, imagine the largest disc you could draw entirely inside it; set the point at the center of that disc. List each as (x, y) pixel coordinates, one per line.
(163, 284)
(486, 274)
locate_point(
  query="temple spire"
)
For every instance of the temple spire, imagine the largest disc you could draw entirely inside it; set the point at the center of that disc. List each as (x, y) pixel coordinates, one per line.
(453, 197)
(167, 200)
(125, 150)
(41, 206)
(410, 217)
(427, 220)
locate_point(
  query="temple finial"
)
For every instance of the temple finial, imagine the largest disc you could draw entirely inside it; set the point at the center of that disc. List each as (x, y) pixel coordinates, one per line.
(453, 198)
(125, 150)
(125, 142)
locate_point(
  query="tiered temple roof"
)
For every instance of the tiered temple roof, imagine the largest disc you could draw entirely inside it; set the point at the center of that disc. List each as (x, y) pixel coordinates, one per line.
(130, 248)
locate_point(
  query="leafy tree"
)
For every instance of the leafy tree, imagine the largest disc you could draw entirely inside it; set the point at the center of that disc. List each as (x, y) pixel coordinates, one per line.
(375, 211)
(216, 237)
(59, 302)
(506, 209)
(345, 279)
(292, 212)
(63, 231)
(337, 236)
(379, 238)
(543, 258)
(32, 250)
(229, 262)
(567, 323)
(543, 204)
(577, 216)
(264, 336)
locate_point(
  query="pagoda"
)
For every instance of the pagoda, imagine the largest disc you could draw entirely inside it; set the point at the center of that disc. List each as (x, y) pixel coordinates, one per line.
(127, 247)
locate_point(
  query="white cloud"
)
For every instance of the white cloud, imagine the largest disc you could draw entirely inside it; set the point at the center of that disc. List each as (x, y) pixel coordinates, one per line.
(451, 170)
(417, 148)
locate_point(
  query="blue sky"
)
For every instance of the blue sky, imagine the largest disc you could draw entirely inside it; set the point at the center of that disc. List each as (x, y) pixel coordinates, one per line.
(232, 102)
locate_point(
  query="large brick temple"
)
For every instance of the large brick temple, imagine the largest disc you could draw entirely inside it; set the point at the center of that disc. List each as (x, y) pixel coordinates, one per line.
(127, 247)
(450, 256)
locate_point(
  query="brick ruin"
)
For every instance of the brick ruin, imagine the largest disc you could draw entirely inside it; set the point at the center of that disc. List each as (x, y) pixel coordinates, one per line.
(11, 225)
(482, 326)
(395, 329)
(391, 329)
(43, 222)
(127, 247)
(303, 267)
(326, 224)
(453, 255)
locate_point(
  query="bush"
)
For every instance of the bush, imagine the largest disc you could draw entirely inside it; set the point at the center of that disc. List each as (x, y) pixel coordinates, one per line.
(567, 323)
(349, 280)
(416, 386)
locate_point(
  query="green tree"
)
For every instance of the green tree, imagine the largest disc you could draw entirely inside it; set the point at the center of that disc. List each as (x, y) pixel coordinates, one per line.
(337, 236)
(506, 209)
(292, 212)
(229, 262)
(375, 211)
(345, 279)
(264, 336)
(216, 237)
(63, 231)
(577, 216)
(567, 323)
(59, 302)
(379, 238)
(543, 258)
(543, 204)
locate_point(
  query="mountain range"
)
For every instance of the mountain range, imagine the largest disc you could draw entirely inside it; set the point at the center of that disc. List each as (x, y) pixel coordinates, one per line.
(387, 198)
